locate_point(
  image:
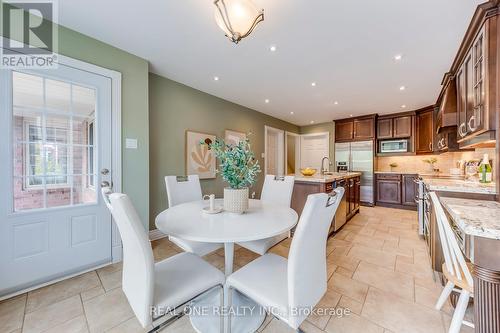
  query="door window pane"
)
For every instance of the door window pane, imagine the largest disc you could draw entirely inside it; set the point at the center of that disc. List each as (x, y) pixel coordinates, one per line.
(54, 134)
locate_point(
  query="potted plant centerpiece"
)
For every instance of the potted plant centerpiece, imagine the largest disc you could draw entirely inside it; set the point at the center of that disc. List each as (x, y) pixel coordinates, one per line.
(239, 168)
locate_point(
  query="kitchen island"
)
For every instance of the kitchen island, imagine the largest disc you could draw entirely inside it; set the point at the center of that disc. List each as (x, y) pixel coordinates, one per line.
(478, 223)
(351, 181)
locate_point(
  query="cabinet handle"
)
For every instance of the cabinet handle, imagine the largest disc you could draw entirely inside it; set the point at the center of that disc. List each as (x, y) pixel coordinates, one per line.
(461, 131)
(430, 146)
(472, 119)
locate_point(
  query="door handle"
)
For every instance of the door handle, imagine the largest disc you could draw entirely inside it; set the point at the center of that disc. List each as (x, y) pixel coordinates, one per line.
(472, 119)
(107, 184)
(104, 171)
(461, 130)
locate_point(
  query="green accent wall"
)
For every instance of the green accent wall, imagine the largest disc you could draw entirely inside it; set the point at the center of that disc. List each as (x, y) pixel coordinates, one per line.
(135, 107)
(174, 108)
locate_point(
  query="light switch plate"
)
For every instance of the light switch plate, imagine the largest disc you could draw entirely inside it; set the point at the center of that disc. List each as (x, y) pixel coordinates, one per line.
(131, 143)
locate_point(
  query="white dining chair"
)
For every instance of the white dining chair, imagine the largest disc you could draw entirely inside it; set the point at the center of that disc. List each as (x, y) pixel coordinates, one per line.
(181, 190)
(154, 290)
(277, 190)
(455, 269)
(289, 289)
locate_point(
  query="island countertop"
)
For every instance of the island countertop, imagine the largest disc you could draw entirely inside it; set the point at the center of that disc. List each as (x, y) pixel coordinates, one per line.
(475, 217)
(319, 178)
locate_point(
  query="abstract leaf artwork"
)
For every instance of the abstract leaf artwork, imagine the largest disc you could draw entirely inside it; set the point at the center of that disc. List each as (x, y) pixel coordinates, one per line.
(200, 159)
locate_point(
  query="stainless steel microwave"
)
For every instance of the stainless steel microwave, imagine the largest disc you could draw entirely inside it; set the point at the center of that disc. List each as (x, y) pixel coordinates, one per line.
(394, 146)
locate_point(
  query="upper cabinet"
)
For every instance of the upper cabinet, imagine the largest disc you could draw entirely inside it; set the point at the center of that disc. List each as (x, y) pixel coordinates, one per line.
(470, 87)
(364, 129)
(355, 129)
(396, 127)
(425, 131)
(344, 130)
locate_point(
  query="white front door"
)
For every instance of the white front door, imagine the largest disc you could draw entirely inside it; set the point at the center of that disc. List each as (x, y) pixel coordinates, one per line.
(55, 127)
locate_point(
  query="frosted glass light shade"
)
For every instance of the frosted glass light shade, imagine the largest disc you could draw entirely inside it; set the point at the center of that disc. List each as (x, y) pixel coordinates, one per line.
(237, 18)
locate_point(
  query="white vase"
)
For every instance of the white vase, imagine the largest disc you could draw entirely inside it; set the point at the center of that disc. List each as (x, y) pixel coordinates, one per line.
(236, 200)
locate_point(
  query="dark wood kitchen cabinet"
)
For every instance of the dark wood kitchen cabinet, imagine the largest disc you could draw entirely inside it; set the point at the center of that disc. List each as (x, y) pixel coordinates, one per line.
(384, 128)
(396, 190)
(409, 190)
(355, 129)
(389, 189)
(425, 131)
(475, 85)
(364, 129)
(353, 195)
(402, 127)
(344, 130)
(395, 126)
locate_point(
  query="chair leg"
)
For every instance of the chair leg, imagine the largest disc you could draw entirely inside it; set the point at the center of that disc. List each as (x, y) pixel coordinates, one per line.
(221, 309)
(229, 305)
(458, 315)
(444, 295)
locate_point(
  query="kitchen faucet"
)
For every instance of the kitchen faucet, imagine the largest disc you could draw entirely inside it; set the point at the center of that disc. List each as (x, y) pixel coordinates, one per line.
(323, 169)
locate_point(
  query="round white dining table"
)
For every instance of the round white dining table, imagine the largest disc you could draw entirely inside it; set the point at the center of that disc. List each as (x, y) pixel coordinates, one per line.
(262, 220)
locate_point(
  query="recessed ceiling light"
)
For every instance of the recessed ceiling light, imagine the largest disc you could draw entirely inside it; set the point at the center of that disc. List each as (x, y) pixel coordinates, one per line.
(350, 115)
(267, 101)
(291, 112)
(336, 103)
(272, 48)
(403, 106)
(402, 88)
(216, 78)
(312, 121)
(313, 84)
(398, 57)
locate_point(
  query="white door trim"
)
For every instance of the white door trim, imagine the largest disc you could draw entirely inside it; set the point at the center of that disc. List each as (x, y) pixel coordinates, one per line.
(297, 156)
(116, 123)
(281, 148)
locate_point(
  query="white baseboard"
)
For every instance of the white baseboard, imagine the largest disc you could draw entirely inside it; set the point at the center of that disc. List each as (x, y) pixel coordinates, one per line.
(156, 234)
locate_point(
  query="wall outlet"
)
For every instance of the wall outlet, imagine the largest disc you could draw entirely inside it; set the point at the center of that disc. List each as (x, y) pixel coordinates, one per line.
(131, 143)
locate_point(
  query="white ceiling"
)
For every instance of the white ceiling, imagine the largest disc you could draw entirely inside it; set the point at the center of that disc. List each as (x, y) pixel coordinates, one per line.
(346, 46)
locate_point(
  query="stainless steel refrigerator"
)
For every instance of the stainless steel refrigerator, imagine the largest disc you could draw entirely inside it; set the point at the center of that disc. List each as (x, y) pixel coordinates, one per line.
(358, 156)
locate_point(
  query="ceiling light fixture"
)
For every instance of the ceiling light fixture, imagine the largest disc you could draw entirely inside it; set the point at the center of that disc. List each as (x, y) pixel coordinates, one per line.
(272, 48)
(312, 121)
(403, 106)
(216, 78)
(291, 112)
(237, 18)
(350, 115)
(313, 84)
(402, 88)
(398, 57)
(336, 103)
(266, 101)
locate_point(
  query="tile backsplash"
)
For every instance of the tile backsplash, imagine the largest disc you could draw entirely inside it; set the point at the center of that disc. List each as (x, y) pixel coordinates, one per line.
(444, 162)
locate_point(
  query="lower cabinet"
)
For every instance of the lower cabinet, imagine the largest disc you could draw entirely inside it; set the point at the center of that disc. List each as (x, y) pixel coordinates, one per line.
(409, 190)
(396, 190)
(352, 187)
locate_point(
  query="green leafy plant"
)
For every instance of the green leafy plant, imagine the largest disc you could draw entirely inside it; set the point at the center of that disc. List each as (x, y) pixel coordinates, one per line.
(238, 166)
(430, 160)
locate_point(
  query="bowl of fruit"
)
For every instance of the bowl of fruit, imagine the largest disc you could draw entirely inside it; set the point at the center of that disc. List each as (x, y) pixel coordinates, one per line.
(308, 171)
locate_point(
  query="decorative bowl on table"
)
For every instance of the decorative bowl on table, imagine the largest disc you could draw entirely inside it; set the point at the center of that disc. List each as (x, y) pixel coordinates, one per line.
(308, 171)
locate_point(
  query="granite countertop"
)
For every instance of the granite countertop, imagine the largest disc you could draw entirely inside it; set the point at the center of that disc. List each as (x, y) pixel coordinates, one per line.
(459, 185)
(319, 178)
(475, 217)
(397, 172)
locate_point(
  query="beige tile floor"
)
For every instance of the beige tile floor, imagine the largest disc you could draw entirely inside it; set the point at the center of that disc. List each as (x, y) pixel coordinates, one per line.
(378, 268)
